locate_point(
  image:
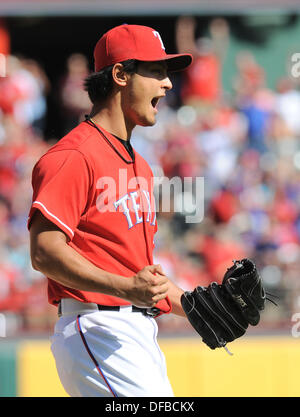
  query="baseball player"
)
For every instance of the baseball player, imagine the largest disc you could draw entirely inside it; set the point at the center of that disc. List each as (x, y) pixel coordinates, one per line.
(92, 224)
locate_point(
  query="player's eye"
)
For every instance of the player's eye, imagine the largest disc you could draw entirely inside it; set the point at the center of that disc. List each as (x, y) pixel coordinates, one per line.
(156, 70)
(161, 72)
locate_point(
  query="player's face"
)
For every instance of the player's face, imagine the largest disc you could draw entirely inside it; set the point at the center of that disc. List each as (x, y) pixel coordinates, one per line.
(145, 88)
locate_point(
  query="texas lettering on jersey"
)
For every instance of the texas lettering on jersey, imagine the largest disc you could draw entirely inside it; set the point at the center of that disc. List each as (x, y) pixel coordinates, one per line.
(132, 197)
(136, 203)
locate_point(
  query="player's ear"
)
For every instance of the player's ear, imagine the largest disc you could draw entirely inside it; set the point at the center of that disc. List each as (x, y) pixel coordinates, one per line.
(120, 76)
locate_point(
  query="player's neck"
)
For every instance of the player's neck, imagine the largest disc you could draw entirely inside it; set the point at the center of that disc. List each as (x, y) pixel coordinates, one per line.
(112, 119)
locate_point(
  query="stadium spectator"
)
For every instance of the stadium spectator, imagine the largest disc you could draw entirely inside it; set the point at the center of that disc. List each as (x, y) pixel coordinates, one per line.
(73, 99)
(202, 83)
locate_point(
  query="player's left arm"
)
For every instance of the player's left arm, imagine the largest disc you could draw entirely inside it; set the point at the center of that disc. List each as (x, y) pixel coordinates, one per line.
(174, 294)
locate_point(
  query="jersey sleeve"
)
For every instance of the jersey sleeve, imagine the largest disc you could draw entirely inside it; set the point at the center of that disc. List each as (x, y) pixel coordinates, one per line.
(61, 183)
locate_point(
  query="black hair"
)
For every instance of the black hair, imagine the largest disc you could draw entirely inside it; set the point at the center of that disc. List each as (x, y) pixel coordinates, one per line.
(99, 84)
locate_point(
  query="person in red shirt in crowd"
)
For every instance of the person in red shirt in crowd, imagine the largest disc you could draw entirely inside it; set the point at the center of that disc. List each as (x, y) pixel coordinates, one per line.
(4, 47)
(202, 83)
(224, 205)
(73, 99)
(92, 224)
(218, 250)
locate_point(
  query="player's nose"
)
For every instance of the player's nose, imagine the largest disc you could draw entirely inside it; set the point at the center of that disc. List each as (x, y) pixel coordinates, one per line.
(167, 84)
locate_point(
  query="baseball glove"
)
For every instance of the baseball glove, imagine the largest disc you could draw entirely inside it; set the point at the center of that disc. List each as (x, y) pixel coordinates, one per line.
(222, 313)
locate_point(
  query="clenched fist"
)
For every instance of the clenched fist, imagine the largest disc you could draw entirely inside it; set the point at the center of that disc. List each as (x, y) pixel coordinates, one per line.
(148, 286)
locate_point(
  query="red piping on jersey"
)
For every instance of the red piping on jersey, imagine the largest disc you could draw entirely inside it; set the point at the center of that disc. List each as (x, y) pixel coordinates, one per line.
(92, 356)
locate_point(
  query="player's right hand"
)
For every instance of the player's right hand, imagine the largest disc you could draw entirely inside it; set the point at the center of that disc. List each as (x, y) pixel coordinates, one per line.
(148, 286)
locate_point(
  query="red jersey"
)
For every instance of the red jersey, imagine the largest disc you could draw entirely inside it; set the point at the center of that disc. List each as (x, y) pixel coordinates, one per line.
(88, 185)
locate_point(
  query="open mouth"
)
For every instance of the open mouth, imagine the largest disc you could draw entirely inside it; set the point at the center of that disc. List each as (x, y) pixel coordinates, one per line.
(155, 101)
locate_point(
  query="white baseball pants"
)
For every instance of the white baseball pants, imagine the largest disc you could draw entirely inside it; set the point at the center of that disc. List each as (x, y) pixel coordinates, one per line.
(108, 353)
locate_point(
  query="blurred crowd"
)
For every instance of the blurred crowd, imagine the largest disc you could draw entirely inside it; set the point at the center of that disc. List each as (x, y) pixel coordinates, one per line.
(245, 143)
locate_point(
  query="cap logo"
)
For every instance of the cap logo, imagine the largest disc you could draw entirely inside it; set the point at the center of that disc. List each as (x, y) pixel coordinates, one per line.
(157, 35)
